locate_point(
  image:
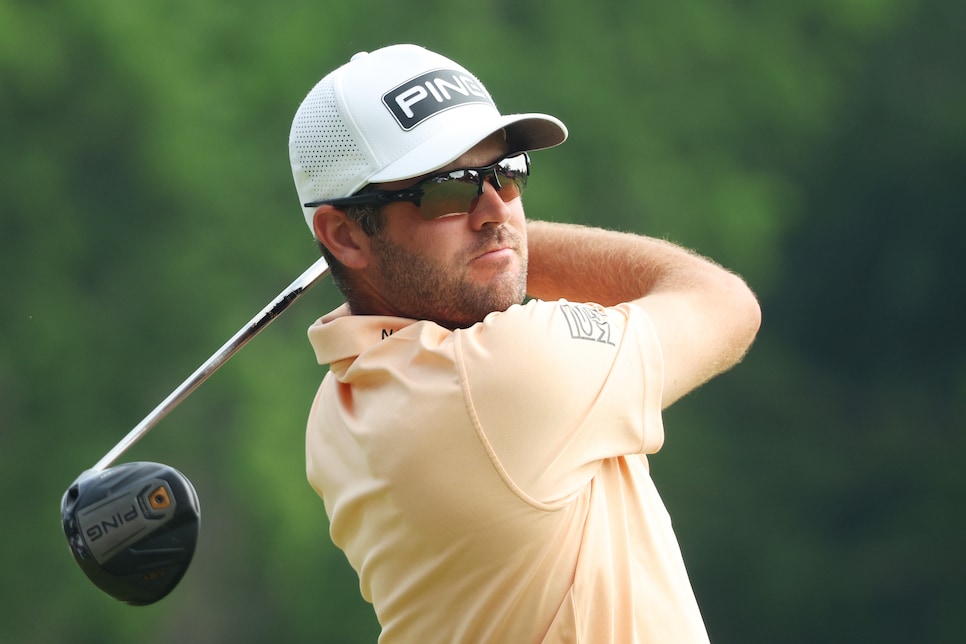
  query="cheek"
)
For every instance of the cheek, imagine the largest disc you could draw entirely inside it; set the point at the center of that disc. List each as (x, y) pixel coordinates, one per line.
(420, 240)
(406, 229)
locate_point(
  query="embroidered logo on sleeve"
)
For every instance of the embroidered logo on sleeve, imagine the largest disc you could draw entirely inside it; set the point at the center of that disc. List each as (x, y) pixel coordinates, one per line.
(587, 323)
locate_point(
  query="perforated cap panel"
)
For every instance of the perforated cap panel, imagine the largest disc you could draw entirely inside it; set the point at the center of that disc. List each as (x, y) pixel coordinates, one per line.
(323, 149)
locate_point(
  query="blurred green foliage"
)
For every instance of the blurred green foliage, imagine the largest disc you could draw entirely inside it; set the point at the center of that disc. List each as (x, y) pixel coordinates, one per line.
(817, 148)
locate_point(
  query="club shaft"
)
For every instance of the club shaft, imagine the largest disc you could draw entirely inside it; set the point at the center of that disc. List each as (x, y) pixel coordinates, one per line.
(301, 284)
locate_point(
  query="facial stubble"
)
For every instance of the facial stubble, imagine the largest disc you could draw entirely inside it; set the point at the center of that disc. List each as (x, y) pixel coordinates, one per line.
(421, 288)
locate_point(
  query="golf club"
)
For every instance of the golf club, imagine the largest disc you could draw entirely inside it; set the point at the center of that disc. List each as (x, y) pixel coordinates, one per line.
(133, 528)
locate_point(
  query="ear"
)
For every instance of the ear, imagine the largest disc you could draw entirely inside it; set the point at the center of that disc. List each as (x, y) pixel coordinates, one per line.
(342, 236)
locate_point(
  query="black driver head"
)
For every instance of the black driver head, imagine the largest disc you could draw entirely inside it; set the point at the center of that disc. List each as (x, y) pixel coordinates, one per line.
(132, 528)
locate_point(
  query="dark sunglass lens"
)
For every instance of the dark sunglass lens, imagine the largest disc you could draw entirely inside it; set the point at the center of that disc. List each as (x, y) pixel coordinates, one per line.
(513, 174)
(455, 192)
(450, 194)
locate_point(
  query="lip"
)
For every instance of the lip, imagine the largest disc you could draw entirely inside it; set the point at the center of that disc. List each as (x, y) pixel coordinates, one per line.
(499, 252)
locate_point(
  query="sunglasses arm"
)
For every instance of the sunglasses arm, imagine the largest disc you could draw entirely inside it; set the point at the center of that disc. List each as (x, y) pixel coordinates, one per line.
(373, 198)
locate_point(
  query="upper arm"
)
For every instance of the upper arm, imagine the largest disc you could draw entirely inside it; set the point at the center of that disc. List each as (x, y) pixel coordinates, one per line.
(703, 330)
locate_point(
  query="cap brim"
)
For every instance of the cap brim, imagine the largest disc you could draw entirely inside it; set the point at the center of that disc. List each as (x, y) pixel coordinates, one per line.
(524, 133)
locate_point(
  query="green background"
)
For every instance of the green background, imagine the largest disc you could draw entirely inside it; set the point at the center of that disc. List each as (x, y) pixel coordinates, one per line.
(815, 147)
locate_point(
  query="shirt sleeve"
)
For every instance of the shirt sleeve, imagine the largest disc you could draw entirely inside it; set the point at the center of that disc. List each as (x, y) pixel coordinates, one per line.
(554, 388)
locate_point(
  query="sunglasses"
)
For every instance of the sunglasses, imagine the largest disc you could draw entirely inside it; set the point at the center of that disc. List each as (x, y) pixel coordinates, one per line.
(447, 193)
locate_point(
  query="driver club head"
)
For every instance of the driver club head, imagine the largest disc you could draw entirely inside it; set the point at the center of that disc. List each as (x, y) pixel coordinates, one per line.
(132, 529)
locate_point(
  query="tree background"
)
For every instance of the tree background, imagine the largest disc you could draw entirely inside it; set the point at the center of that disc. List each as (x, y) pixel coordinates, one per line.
(817, 148)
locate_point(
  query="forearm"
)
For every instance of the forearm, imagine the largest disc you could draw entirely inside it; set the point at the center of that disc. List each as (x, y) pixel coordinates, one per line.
(705, 316)
(580, 263)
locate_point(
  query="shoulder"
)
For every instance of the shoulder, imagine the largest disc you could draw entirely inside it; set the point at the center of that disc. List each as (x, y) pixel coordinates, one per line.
(565, 330)
(561, 344)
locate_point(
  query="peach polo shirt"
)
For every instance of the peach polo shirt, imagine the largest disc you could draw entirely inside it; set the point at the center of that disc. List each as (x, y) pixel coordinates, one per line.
(490, 484)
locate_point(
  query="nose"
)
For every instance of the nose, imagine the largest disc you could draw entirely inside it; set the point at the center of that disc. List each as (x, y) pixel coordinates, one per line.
(489, 207)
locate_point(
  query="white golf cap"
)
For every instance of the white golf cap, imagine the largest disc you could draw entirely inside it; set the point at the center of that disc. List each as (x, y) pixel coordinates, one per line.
(397, 113)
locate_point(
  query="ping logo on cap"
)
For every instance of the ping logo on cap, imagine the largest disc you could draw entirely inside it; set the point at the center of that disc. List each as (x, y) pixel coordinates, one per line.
(431, 93)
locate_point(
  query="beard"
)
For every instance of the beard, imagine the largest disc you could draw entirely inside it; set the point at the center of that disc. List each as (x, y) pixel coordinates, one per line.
(422, 288)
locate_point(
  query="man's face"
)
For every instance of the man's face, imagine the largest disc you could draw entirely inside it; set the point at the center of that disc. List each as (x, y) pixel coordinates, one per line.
(456, 269)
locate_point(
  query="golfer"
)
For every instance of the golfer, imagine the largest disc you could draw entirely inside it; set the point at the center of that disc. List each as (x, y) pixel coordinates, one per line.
(495, 383)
